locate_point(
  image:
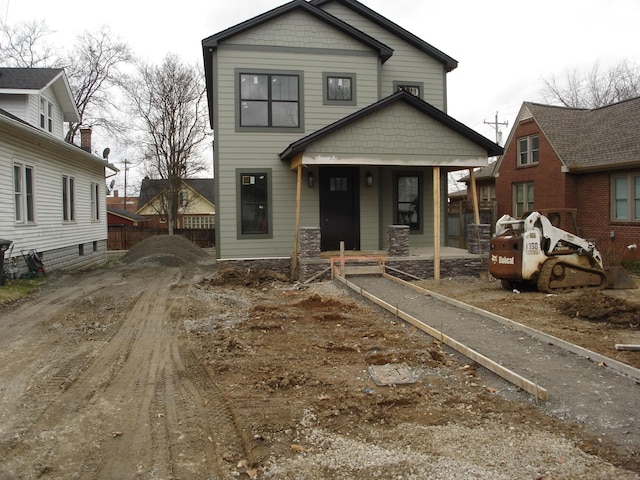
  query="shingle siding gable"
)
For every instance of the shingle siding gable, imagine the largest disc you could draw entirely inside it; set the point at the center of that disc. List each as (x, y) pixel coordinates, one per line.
(408, 132)
(300, 30)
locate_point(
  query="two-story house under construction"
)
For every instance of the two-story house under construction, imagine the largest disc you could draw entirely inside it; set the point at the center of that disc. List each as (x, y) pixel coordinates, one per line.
(330, 119)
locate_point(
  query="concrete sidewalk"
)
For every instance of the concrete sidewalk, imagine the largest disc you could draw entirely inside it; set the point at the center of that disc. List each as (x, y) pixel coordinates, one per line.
(579, 388)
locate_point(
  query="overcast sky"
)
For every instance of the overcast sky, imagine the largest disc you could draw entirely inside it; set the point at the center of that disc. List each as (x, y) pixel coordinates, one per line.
(504, 47)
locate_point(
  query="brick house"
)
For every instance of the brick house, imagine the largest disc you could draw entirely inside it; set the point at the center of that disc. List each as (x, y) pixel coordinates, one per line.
(461, 205)
(585, 161)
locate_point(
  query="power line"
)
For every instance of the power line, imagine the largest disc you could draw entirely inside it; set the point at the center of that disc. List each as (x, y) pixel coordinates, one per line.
(496, 124)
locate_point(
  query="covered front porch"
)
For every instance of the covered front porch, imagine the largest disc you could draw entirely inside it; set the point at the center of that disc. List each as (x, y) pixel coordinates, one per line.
(399, 259)
(381, 174)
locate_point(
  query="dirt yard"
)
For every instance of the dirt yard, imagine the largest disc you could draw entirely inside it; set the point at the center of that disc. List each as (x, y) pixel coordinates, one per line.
(165, 366)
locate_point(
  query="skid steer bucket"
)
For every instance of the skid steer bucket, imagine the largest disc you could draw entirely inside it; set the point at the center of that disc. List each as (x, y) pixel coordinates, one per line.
(619, 279)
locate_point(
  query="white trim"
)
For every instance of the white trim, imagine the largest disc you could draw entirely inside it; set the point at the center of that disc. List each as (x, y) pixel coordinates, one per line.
(382, 161)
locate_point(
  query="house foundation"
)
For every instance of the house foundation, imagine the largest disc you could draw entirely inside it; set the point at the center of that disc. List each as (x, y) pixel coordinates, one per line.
(83, 256)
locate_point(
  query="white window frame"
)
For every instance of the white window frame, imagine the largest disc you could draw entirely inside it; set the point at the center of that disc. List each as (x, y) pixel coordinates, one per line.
(526, 204)
(198, 222)
(530, 154)
(183, 198)
(95, 202)
(46, 115)
(625, 197)
(68, 199)
(24, 193)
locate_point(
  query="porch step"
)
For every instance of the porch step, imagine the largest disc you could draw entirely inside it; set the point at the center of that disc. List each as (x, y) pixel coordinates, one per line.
(352, 265)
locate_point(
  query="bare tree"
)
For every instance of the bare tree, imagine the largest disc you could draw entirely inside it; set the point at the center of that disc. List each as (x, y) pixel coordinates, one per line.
(595, 88)
(169, 122)
(93, 69)
(24, 46)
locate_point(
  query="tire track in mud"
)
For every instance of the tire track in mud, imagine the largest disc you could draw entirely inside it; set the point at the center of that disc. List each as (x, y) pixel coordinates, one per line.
(79, 418)
(225, 433)
(129, 403)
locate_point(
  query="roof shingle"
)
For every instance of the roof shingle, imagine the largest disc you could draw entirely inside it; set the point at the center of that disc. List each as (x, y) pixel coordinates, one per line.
(593, 139)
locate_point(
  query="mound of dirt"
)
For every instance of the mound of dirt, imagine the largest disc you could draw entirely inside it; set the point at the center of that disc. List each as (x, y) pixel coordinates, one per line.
(598, 307)
(164, 250)
(244, 277)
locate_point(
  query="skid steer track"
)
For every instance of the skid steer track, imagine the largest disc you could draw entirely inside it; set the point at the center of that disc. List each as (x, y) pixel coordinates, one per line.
(557, 275)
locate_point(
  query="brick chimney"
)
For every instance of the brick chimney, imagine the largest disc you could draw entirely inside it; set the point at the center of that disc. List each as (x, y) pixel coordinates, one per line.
(85, 139)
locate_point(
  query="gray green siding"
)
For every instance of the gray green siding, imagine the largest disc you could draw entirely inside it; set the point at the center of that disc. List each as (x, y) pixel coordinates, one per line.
(238, 148)
(407, 63)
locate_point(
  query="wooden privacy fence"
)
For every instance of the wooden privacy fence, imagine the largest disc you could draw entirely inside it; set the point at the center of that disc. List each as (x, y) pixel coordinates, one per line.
(124, 237)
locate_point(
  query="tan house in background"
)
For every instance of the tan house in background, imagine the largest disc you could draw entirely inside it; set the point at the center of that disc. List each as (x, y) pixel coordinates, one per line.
(196, 209)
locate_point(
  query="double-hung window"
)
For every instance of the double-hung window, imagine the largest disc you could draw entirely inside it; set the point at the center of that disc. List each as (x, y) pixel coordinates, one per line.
(183, 198)
(46, 115)
(625, 197)
(528, 150)
(270, 100)
(523, 197)
(254, 203)
(95, 202)
(24, 193)
(68, 199)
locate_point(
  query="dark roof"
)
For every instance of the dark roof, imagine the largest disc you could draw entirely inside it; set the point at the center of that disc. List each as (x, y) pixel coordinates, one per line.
(27, 78)
(125, 214)
(151, 187)
(397, 30)
(592, 139)
(211, 43)
(493, 149)
(481, 173)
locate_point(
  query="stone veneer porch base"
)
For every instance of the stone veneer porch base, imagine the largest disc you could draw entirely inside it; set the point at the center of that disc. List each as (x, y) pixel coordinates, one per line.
(422, 268)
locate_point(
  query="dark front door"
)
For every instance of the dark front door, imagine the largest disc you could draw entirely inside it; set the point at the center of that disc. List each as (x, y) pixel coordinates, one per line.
(339, 208)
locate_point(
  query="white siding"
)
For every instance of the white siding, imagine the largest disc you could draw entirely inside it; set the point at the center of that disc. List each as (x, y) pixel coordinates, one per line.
(15, 104)
(50, 162)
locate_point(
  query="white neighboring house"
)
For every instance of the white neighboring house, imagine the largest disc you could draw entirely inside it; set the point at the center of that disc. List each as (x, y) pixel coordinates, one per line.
(52, 193)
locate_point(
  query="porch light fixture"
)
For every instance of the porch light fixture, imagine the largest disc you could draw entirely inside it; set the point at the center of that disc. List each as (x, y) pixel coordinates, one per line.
(369, 179)
(310, 179)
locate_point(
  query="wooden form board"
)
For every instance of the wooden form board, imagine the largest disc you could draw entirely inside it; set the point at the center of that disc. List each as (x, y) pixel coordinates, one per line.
(543, 337)
(624, 346)
(518, 380)
(357, 265)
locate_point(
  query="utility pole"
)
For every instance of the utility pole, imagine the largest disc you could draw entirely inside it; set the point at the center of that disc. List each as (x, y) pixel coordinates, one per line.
(496, 124)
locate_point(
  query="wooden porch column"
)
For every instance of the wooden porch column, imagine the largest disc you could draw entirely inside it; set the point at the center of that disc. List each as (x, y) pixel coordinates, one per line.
(436, 223)
(296, 235)
(474, 195)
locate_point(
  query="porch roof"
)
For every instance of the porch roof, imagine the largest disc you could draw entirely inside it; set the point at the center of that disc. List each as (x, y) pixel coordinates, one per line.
(399, 130)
